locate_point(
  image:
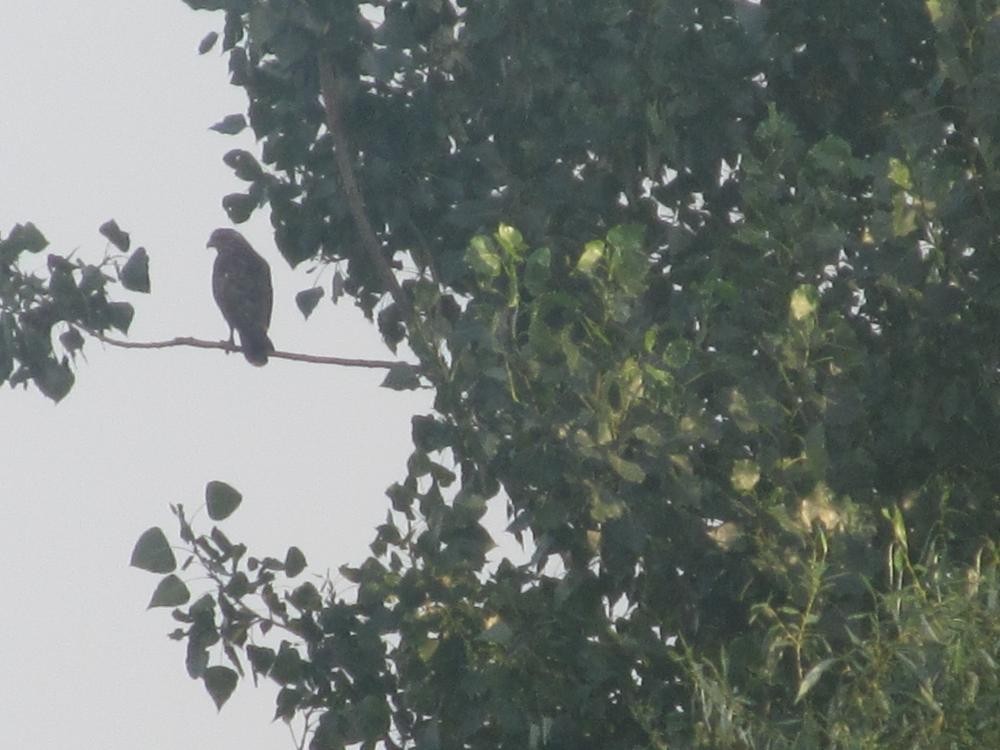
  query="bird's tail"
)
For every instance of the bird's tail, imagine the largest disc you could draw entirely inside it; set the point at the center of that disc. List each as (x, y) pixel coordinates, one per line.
(256, 346)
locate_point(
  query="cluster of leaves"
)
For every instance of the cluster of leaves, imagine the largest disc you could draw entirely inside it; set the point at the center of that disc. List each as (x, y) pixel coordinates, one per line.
(72, 296)
(920, 671)
(468, 115)
(239, 581)
(593, 416)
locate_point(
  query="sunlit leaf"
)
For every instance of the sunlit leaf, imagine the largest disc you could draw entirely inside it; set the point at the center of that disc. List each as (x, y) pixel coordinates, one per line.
(627, 470)
(483, 258)
(812, 677)
(745, 475)
(592, 254)
(899, 174)
(511, 241)
(804, 302)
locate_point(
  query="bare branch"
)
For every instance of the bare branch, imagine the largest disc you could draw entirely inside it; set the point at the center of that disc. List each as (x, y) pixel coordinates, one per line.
(330, 88)
(227, 347)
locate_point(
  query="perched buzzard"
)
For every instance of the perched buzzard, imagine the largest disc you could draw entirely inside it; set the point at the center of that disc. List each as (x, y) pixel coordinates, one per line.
(241, 285)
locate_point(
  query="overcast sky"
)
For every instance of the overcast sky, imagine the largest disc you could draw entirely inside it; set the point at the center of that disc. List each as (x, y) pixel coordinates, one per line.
(104, 113)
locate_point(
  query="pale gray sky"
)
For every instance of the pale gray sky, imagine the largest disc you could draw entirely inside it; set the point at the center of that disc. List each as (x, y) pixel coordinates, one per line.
(104, 112)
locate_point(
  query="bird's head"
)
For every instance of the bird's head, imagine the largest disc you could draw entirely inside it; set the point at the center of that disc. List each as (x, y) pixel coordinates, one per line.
(225, 237)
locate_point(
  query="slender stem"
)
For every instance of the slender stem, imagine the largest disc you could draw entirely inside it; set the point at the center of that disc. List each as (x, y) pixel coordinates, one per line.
(228, 347)
(330, 88)
(423, 345)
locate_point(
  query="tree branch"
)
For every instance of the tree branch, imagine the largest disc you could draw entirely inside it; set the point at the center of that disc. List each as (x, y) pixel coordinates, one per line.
(330, 89)
(227, 347)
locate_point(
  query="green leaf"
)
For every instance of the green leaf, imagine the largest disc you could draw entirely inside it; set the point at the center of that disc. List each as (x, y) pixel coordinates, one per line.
(244, 164)
(904, 216)
(238, 585)
(23, 237)
(230, 124)
(649, 435)
(372, 717)
(306, 598)
(895, 517)
(337, 287)
(265, 23)
(511, 241)
(592, 253)
(54, 379)
(134, 275)
(208, 42)
(628, 237)
(170, 592)
(120, 315)
(727, 535)
(628, 263)
(832, 155)
(899, 174)
(812, 677)
(803, 303)
(287, 666)
(221, 499)
(745, 475)
(431, 434)
(402, 377)
(678, 353)
(220, 683)
(483, 258)
(627, 470)
(115, 235)
(740, 411)
(307, 299)
(286, 703)
(152, 552)
(261, 658)
(602, 510)
(537, 271)
(816, 454)
(71, 340)
(295, 562)
(239, 206)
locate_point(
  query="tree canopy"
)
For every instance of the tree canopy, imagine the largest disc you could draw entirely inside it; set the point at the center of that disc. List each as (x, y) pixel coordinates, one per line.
(708, 294)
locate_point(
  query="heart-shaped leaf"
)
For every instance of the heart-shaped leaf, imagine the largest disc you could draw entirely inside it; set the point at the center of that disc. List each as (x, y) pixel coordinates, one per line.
(152, 552)
(221, 499)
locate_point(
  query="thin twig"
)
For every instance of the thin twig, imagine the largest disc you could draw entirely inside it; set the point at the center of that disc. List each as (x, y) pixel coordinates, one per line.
(329, 87)
(227, 347)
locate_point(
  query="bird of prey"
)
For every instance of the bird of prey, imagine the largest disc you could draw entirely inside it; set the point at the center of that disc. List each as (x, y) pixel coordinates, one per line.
(241, 285)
